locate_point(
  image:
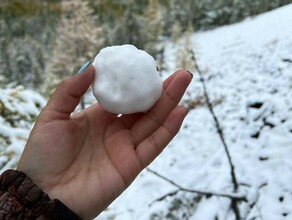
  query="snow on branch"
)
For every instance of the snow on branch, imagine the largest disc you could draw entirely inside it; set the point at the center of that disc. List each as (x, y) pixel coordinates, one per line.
(234, 205)
(232, 196)
(219, 129)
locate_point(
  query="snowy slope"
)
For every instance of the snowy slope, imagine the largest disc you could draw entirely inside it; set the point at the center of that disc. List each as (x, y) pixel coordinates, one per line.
(248, 66)
(18, 109)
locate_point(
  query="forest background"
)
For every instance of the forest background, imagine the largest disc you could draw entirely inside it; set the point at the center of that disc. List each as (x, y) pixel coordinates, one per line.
(41, 42)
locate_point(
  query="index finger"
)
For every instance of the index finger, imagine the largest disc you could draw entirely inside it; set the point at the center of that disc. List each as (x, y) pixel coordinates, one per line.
(130, 120)
(170, 98)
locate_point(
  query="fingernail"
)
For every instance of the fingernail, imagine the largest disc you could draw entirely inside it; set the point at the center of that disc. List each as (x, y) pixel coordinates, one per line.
(190, 73)
(84, 66)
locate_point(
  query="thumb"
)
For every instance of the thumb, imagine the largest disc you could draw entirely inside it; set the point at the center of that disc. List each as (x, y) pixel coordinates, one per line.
(68, 94)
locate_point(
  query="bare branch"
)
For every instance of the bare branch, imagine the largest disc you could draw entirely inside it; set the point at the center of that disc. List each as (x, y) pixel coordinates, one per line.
(233, 196)
(287, 60)
(254, 204)
(165, 196)
(219, 129)
(234, 205)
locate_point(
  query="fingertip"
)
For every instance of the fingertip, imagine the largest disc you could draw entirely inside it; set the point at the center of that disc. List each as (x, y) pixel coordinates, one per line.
(78, 84)
(83, 67)
(182, 71)
(68, 93)
(187, 74)
(87, 73)
(177, 73)
(89, 70)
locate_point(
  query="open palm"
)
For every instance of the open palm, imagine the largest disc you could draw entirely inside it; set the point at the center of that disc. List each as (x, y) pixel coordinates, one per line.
(88, 158)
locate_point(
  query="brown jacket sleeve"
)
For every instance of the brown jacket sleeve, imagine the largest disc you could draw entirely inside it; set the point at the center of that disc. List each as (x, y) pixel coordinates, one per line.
(20, 198)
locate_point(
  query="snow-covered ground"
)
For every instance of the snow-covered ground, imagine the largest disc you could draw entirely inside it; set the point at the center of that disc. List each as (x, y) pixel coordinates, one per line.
(18, 109)
(249, 68)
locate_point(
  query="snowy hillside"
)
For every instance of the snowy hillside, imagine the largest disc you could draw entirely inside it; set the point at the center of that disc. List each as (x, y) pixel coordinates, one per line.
(249, 68)
(19, 108)
(248, 73)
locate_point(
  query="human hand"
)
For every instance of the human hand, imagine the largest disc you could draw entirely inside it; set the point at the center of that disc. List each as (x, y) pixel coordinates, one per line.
(88, 159)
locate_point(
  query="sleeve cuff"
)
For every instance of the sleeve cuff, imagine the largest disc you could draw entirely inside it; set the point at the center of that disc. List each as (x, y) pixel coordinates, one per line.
(20, 198)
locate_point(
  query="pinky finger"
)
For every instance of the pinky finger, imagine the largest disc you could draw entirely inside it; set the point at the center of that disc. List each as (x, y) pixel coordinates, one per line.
(152, 146)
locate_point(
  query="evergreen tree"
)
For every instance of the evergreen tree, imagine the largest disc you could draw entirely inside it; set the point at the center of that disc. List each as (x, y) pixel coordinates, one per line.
(153, 27)
(176, 31)
(129, 30)
(22, 60)
(78, 39)
(185, 51)
(26, 30)
(4, 55)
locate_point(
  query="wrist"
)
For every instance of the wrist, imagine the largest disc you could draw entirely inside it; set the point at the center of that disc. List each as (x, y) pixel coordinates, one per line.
(21, 198)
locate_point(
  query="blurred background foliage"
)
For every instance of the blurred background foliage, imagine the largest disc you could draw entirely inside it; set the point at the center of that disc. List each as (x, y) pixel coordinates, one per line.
(43, 41)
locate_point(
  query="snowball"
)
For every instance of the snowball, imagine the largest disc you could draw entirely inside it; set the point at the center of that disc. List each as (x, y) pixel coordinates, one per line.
(126, 80)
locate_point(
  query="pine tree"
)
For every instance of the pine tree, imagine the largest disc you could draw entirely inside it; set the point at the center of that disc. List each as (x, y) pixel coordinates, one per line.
(153, 26)
(185, 51)
(129, 29)
(5, 61)
(26, 31)
(175, 32)
(177, 13)
(79, 37)
(22, 60)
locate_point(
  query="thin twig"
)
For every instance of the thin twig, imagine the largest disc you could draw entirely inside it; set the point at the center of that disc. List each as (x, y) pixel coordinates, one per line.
(234, 205)
(219, 129)
(183, 189)
(287, 60)
(173, 193)
(254, 204)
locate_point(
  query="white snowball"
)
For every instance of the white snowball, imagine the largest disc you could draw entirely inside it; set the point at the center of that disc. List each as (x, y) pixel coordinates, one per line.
(126, 80)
